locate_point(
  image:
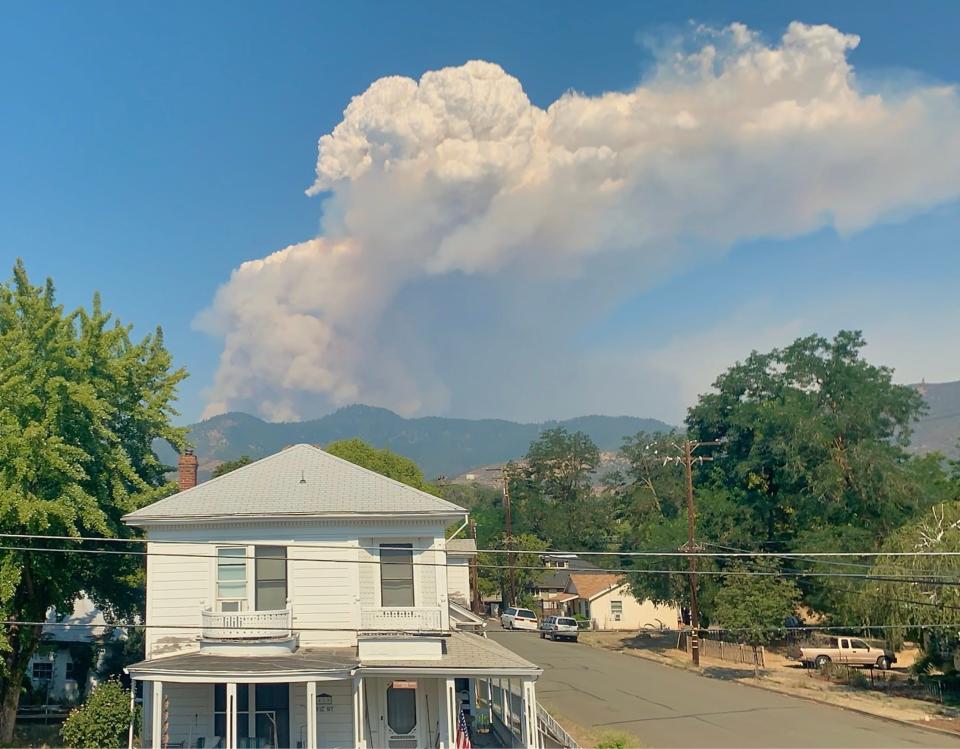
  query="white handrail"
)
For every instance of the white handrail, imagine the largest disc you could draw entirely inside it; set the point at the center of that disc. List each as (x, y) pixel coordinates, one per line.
(247, 625)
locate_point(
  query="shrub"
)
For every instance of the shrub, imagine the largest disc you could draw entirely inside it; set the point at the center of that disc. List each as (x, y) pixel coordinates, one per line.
(615, 740)
(102, 721)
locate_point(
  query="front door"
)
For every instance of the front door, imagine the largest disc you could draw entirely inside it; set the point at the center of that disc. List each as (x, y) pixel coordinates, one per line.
(401, 715)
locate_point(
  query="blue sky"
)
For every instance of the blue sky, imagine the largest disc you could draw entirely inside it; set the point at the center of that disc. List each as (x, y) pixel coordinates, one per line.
(146, 151)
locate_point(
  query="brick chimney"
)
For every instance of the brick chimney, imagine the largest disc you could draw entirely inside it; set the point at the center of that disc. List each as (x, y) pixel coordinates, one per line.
(187, 470)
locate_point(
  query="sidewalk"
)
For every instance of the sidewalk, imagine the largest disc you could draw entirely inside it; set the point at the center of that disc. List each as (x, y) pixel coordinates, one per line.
(782, 675)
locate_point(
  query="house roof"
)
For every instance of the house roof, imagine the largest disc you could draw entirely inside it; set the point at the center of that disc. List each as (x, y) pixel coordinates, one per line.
(560, 576)
(464, 546)
(591, 584)
(294, 666)
(467, 653)
(299, 481)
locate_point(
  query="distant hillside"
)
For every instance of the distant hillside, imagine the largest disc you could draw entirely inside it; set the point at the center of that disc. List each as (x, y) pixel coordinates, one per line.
(440, 446)
(940, 428)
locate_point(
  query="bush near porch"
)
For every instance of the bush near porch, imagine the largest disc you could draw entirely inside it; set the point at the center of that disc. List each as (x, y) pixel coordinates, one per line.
(103, 721)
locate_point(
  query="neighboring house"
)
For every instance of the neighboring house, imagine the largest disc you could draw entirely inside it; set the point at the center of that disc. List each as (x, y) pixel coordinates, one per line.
(606, 601)
(302, 601)
(460, 552)
(550, 588)
(51, 669)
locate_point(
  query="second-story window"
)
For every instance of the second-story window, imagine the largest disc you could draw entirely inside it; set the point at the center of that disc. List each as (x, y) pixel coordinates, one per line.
(271, 578)
(232, 578)
(396, 575)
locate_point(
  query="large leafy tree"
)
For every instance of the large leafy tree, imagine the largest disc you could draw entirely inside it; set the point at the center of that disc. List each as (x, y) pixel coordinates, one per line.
(81, 404)
(383, 461)
(814, 436)
(228, 466)
(553, 493)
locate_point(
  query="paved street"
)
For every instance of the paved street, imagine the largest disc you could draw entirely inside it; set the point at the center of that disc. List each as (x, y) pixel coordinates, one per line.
(668, 707)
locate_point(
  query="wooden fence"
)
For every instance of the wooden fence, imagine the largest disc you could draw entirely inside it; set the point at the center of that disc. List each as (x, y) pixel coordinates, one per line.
(732, 652)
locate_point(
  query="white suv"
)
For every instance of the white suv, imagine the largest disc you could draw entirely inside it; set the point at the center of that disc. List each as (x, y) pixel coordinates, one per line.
(514, 618)
(560, 628)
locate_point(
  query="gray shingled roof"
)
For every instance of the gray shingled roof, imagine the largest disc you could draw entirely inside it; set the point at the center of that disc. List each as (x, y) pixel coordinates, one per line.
(466, 546)
(299, 481)
(468, 652)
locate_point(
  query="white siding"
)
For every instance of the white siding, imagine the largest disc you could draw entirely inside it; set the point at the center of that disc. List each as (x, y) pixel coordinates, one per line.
(326, 583)
(323, 585)
(458, 578)
(190, 713)
(636, 614)
(334, 726)
(369, 574)
(177, 589)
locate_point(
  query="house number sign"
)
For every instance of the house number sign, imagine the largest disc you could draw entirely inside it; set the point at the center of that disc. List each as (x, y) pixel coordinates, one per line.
(324, 703)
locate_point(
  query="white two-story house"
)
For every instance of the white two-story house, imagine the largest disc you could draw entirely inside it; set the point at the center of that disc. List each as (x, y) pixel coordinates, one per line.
(302, 601)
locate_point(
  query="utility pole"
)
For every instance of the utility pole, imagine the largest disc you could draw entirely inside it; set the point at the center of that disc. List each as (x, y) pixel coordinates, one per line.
(475, 602)
(508, 527)
(511, 592)
(687, 458)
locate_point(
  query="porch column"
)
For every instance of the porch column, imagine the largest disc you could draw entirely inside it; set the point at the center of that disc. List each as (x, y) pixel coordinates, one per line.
(528, 722)
(133, 705)
(231, 716)
(359, 714)
(156, 714)
(474, 691)
(451, 710)
(311, 715)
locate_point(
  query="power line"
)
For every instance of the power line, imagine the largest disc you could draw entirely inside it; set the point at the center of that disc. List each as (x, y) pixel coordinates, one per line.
(620, 571)
(547, 553)
(665, 630)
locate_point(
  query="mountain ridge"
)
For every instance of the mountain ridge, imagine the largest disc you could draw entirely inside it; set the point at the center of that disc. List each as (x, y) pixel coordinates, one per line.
(440, 445)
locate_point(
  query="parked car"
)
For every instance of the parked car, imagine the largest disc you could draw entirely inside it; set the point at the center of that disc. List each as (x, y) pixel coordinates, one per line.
(848, 650)
(560, 628)
(514, 618)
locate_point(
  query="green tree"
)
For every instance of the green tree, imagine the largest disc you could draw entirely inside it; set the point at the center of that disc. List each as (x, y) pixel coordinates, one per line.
(81, 404)
(553, 492)
(383, 461)
(916, 598)
(492, 568)
(103, 720)
(753, 603)
(231, 465)
(813, 435)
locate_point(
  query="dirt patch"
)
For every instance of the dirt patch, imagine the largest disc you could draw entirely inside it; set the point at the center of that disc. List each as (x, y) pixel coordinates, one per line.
(783, 675)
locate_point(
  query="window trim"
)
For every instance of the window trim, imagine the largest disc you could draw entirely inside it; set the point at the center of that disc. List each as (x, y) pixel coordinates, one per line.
(248, 602)
(45, 665)
(414, 587)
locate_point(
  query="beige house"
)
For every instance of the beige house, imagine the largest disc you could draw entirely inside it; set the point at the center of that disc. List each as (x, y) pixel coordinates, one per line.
(607, 602)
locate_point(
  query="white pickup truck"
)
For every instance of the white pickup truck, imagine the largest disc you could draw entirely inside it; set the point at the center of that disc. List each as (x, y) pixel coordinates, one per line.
(848, 650)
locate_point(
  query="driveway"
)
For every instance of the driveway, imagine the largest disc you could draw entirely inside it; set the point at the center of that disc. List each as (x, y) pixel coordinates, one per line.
(669, 707)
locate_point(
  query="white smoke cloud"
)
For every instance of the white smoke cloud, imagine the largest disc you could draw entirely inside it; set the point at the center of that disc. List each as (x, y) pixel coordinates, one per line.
(550, 211)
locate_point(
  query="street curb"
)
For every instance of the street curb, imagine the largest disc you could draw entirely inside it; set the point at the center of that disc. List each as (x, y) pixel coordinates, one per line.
(808, 698)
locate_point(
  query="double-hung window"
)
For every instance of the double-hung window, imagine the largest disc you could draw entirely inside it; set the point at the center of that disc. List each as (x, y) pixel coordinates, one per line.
(267, 591)
(396, 575)
(271, 578)
(232, 578)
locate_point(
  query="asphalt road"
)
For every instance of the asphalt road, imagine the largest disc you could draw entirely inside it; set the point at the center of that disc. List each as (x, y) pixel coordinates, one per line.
(668, 707)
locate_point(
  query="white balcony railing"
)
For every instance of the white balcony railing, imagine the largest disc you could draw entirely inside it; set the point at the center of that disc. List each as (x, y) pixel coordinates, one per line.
(247, 625)
(401, 619)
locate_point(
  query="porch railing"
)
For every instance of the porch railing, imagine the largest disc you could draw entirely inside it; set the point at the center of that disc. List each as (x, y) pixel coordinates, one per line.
(247, 625)
(401, 618)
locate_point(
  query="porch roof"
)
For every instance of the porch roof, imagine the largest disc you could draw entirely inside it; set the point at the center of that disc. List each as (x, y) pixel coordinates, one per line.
(464, 654)
(308, 664)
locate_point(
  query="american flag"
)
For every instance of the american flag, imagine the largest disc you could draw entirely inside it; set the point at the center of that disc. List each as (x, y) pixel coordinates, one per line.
(463, 736)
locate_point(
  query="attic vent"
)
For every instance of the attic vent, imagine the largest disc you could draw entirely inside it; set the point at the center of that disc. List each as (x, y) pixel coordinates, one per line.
(303, 478)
